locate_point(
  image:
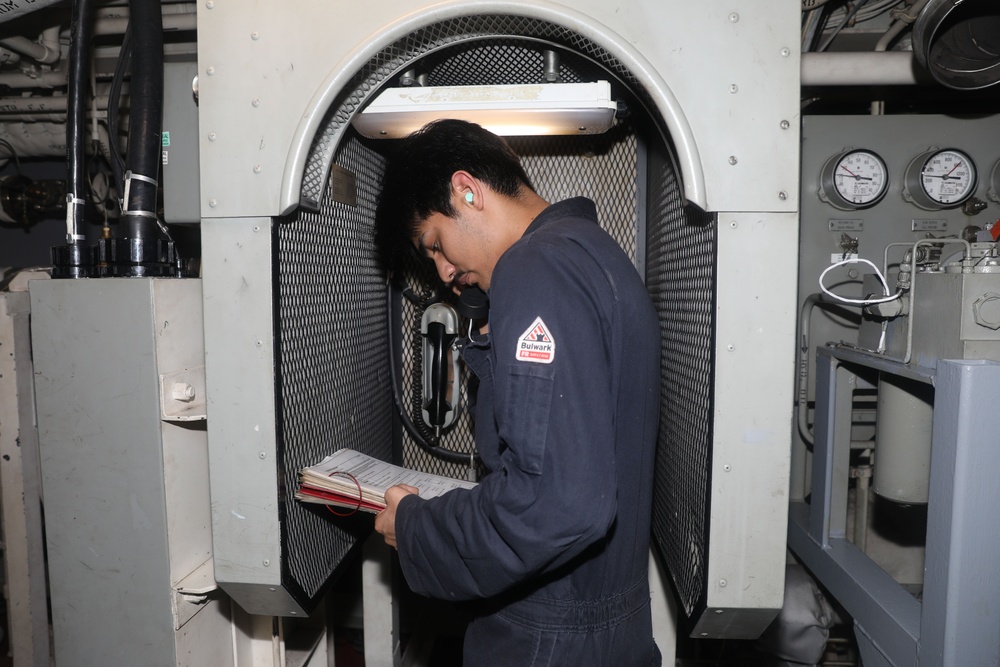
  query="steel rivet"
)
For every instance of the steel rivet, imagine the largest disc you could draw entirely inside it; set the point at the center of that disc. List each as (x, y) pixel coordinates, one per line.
(262, 455)
(727, 468)
(733, 160)
(733, 88)
(722, 583)
(266, 562)
(256, 102)
(785, 52)
(211, 136)
(210, 70)
(734, 17)
(213, 203)
(733, 224)
(260, 343)
(785, 125)
(255, 35)
(782, 195)
(210, 4)
(256, 168)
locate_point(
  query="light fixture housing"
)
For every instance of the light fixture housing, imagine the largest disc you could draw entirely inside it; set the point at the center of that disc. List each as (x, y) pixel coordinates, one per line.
(509, 110)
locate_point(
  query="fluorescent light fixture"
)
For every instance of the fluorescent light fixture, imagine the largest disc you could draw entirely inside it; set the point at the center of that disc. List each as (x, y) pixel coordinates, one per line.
(529, 109)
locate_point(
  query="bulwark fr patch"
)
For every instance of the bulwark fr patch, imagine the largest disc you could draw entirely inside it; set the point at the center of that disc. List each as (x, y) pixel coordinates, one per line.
(536, 344)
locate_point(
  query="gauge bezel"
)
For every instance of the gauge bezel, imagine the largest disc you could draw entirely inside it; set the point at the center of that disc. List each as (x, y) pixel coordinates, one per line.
(829, 192)
(994, 187)
(915, 191)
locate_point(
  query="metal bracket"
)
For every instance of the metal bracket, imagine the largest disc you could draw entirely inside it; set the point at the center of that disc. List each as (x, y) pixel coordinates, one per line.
(192, 592)
(182, 395)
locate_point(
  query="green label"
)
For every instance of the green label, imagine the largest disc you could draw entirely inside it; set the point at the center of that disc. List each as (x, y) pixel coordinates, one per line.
(166, 139)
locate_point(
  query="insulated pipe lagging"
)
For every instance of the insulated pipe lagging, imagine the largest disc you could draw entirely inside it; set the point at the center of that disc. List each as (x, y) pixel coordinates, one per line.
(142, 159)
(16, 8)
(81, 32)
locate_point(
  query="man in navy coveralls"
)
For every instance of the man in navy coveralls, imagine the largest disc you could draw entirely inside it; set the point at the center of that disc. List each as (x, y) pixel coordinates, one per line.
(553, 542)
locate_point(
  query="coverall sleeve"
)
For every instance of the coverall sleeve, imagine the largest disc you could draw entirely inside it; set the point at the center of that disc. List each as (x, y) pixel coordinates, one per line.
(554, 492)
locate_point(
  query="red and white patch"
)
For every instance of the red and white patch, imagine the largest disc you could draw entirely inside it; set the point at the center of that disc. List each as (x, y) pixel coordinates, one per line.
(536, 344)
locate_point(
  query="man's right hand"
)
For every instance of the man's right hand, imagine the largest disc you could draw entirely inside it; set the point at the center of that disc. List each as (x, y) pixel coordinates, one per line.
(385, 521)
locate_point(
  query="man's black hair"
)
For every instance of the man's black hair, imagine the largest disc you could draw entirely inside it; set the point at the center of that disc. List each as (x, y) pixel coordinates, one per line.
(417, 179)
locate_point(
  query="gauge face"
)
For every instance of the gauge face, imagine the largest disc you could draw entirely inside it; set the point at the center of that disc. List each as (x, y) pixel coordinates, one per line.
(994, 192)
(854, 179)
(948, 177)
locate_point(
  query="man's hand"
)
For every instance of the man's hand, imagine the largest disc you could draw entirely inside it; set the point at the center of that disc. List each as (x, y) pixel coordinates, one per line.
(385, 521)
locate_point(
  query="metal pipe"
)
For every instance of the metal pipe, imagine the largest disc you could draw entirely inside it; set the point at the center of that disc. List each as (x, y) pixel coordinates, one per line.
(39, 108)
(861, 492)
(172, 22)
(45, 51)
(865, 68)
(903, 20)
(56, 78)
(15, 8)
(802, 405)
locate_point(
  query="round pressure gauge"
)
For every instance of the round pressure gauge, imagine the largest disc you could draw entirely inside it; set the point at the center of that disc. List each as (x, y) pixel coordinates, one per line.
(853, 179)
(940, 179)
(994, 191)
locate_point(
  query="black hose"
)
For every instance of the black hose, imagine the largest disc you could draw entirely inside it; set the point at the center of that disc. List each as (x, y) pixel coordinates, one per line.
(114, 109)
(145, 119)
(81, 35)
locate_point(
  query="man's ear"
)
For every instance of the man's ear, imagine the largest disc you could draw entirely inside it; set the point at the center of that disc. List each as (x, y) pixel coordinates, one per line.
(466, 191)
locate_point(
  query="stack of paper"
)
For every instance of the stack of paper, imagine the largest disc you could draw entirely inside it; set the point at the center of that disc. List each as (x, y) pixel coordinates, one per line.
(355, 481)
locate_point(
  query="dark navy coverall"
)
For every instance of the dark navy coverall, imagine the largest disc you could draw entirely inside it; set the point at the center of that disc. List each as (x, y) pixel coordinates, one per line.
(554, 540)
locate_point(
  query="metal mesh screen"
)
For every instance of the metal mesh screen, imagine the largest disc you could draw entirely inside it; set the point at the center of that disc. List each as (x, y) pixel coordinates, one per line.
(332, 358)
(498, 62)
(679, 243)
(680, 277)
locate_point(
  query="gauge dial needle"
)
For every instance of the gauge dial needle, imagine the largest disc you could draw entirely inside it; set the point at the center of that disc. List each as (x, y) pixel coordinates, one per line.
(856, 177)
(943, 177)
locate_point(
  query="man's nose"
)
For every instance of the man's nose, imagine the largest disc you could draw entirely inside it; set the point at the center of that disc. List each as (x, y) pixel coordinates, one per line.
(445, 269)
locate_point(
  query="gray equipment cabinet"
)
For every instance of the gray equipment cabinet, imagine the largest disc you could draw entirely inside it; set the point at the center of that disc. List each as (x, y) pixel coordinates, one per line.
(124, 462)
